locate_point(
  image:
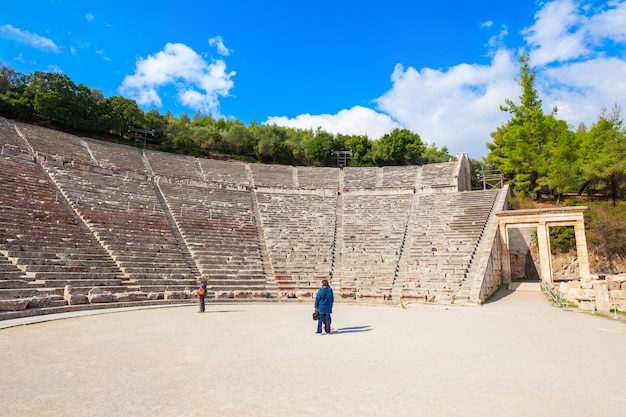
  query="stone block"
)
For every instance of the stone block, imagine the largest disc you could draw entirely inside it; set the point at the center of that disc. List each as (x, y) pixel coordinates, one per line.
(224, 294)
(586, 305)
(242, 294)
(601, 295)
(17, 304)
(75, 299)
(175, 295)
(98, 295)
(45, 301)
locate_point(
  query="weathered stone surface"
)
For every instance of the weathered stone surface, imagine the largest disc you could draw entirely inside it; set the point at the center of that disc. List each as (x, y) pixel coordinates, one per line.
(586, 305)
(154, 295)
(13, 283)
(130, 296)
(304, 294)
(175, 295)
(288, 294)
(224, 294)
(45, 301)
(67, 292)
(443, 299)
(98, 295)
(242, 294)
(14, 304)
(601, 295)
(75, 299)
(261, 294)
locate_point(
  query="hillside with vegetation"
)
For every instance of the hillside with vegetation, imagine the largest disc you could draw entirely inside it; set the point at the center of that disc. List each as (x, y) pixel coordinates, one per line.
(547, 163)
(545, 160)
(54, 100)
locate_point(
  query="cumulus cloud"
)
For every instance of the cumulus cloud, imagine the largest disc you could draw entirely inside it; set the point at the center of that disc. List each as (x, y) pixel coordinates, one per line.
(219, 44)
(578, 52)
(27, 38)
(199, 83)
(457, 107)
(577, 71)
(558, 33)
(356, 121)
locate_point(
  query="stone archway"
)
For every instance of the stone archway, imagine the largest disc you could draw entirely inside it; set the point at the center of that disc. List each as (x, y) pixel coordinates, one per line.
(543, 219)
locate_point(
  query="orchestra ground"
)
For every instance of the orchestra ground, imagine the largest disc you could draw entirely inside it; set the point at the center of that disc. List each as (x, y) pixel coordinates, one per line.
(516, 355)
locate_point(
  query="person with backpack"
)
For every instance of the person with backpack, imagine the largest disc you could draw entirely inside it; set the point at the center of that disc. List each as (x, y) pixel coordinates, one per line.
(324, 306)
(203, 281)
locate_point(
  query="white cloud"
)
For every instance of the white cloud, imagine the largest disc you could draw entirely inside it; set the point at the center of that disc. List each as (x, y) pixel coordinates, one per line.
(610, 23)
(580, 60)
(199, 84)
(356, 121)
(89, 17)
(30, 39)
(581, 89)
(458, 107)
(558, 33)
(219, 44)
(55, 68)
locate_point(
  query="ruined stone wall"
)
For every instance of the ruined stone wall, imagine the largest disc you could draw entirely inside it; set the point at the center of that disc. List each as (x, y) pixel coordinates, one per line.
(602, 295)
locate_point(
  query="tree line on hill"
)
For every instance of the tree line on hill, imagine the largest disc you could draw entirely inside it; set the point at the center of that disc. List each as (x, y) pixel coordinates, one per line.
(537, 153)
(55, 100)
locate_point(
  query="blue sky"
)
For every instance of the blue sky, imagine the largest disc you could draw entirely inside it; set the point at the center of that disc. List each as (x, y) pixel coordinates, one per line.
(440, 69)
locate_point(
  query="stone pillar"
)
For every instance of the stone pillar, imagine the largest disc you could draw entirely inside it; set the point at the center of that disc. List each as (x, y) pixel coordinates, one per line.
(543, 240)
(506, 257)
(581, 249)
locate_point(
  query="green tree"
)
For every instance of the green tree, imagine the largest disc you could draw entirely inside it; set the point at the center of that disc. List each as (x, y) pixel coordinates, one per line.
(519, 147)
(400, 147)
(604, 150)
(238, 140)
(271, 143)
(156, 122)
(564, 173)
(318, 147)
(361, 148)
(8, 78)
(124, 114)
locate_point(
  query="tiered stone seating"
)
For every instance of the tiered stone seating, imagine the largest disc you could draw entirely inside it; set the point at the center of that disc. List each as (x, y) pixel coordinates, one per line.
(173, 166)
(272, 175)
(220, 231)
(9, 136)
(378, 233)
(360, 177)
(53, 142)
(299, 233)
(8, 271)
(443, 234)
(402, 176)
(126, 215)
(373, 232)
(116, 156)
(41, 234)
(309, 177)
(225, 172)
(438, 175)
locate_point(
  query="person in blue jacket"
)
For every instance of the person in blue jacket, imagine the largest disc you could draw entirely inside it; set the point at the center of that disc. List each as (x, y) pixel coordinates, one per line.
(324, 306)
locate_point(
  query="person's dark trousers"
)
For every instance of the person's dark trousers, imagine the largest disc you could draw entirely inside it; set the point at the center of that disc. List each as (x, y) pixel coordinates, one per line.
(323, 319)
(201, 304)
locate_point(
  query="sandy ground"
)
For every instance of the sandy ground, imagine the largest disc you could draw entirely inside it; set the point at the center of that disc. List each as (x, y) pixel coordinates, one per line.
(516, 356)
